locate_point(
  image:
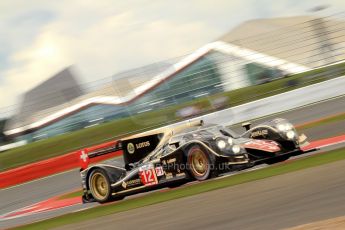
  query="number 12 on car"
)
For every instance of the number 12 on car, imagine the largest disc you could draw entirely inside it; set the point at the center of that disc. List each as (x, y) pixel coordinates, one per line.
(148, 176)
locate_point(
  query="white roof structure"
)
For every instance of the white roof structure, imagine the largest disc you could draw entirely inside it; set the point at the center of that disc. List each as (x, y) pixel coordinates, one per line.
(219, 46)
(289, 44)
(307, 40)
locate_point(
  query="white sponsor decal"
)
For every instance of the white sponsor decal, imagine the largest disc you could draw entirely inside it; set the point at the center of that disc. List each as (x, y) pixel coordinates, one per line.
(143, 144)
(83, 156)
(159, 171)
(168, 175)
(259, 133)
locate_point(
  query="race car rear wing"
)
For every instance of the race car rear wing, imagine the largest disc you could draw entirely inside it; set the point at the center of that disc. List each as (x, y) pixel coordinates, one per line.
(84, 155)
(136, 147)
(103, 151)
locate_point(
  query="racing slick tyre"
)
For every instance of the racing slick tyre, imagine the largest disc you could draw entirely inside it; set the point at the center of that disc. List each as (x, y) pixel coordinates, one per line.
(99, 184)
(199, 163)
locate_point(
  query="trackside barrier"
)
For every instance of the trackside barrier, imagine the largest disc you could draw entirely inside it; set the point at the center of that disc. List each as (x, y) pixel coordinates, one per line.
(51, 166)
(280, 102)
(277, 103)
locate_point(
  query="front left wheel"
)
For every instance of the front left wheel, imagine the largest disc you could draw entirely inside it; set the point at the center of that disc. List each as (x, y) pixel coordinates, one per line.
(99, 184)
(199, 163)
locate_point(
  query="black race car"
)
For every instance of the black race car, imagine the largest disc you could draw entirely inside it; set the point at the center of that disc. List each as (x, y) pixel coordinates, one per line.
(171, 156)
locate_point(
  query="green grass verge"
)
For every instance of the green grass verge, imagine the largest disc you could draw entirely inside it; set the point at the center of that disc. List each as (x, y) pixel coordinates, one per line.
(158, 197)
(59, 145)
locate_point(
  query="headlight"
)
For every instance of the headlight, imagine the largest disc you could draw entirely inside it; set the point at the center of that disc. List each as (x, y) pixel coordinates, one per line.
(290, 134)
(281, 127)
(284, 127)
(236, 149)
(288, 126)
(221, 144)
(230, 141)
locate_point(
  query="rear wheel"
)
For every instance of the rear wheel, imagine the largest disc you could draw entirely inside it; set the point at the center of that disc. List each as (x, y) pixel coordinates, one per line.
(199, 163)
(99, 185)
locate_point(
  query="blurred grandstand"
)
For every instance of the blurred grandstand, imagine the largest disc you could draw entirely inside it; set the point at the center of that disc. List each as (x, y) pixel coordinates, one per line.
(255, 52)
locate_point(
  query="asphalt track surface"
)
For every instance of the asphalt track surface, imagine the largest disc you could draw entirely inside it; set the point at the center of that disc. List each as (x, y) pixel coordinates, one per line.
(273, 203)
(29, 193)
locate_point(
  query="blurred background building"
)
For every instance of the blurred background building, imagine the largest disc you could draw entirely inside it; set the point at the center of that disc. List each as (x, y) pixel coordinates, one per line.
(255, 52)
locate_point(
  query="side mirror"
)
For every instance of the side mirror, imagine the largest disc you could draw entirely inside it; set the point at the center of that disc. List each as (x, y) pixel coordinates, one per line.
(246, 125)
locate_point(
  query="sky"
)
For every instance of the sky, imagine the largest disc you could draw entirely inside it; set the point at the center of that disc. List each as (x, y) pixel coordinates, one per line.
(100, 38)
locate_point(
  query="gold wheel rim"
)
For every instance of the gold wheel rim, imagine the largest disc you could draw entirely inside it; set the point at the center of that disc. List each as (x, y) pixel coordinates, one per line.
(99, 186)
(199, 162)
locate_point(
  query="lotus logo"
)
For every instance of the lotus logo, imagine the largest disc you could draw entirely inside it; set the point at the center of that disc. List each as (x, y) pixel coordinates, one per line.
(130, 148)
